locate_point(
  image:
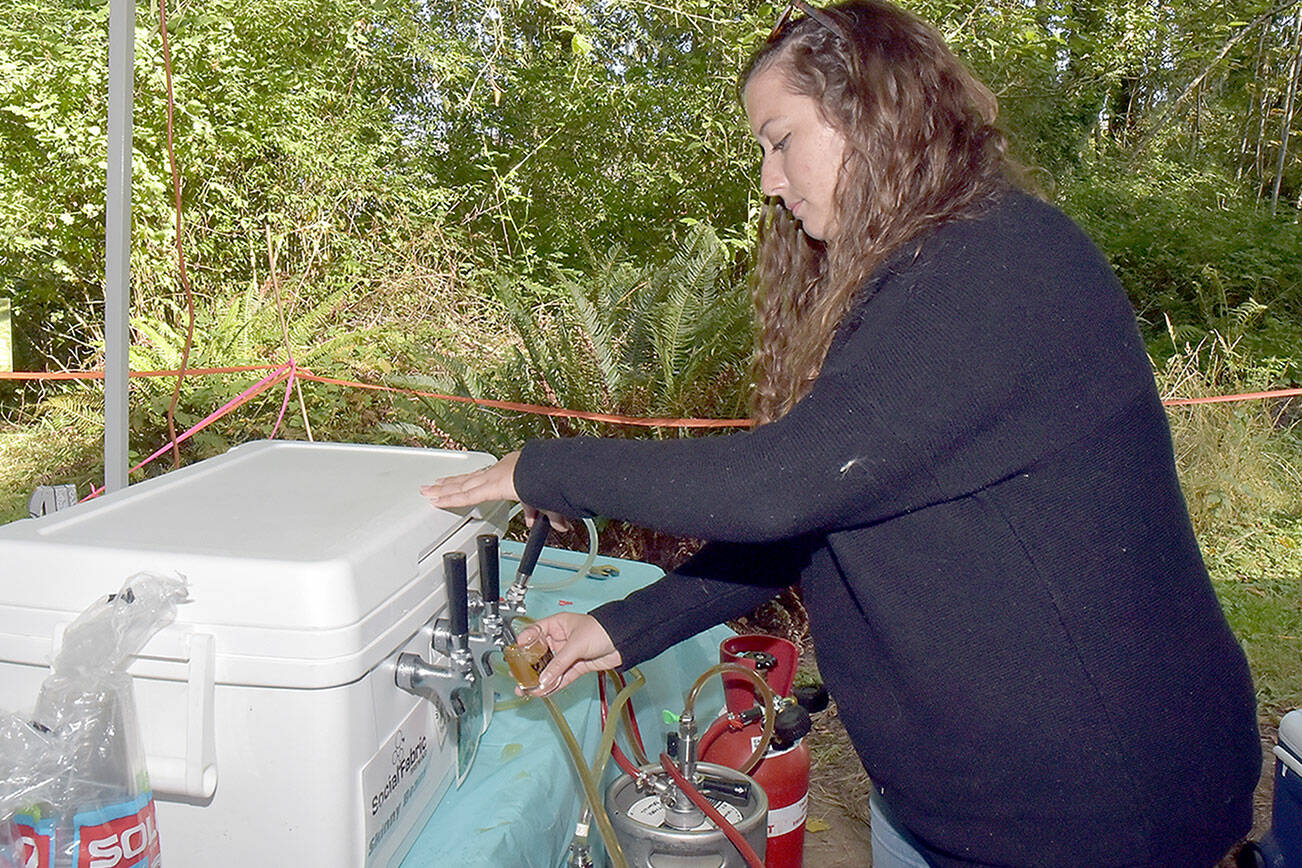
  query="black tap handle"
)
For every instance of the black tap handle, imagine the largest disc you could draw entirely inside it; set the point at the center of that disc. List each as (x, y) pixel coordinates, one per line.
(454, 577)
(490, 572)
(533, 546)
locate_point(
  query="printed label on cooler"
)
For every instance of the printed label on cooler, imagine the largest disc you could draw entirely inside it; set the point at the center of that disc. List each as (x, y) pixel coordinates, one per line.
(124, 835)
(35, 841)
(390, 778)
(442, 719)
(788, 819)
(650, 811)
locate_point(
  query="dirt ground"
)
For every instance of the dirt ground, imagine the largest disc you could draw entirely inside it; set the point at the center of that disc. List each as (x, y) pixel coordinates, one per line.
(836, 833)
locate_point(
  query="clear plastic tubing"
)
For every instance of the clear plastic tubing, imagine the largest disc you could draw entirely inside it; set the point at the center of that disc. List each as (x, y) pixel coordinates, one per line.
(584, 570)
(590, 788)
(634, 684)
(630, 724)
(766, 692)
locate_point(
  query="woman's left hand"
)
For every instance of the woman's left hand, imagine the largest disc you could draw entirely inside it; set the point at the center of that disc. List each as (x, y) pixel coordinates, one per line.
(481, 486)
(496, 482)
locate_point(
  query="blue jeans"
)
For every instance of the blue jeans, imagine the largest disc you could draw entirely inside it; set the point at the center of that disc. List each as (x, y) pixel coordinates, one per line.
(893, 846)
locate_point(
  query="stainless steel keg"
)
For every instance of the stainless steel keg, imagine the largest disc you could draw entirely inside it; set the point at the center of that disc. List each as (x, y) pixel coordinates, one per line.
(647, 831)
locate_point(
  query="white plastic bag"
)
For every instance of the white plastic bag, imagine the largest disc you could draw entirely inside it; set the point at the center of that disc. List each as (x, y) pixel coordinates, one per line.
(74, 792)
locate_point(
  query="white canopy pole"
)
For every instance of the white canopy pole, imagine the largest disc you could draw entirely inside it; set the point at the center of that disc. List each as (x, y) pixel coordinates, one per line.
(117, 239)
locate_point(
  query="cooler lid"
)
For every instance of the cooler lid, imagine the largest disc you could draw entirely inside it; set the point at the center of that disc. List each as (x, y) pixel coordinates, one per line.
(277, 536)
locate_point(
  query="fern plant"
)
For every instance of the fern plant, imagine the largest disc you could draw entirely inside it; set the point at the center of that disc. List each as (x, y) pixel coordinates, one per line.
(246, 330)
(1255, 331)
(664, 340)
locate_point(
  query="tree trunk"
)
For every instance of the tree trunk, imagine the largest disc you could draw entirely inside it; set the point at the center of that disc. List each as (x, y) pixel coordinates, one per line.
(1258, 116)
(1263, 116)
(1286, 123)
(1234, 40)
(1120, 102)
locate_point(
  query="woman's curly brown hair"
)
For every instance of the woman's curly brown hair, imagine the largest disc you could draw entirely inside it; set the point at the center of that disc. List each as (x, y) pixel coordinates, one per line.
(921, 148)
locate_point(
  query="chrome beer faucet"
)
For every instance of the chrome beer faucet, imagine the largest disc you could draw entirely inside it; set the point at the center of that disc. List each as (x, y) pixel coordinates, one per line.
(533, 547)
(495, 631)
(449, 682)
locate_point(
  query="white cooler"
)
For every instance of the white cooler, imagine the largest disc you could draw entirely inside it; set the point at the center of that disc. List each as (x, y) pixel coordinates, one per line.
(274, 730)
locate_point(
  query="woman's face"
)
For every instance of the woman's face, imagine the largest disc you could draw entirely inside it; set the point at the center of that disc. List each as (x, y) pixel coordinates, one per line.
(802, 152)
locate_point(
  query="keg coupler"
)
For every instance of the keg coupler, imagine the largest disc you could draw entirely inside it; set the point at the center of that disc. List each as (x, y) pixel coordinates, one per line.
(657, 821)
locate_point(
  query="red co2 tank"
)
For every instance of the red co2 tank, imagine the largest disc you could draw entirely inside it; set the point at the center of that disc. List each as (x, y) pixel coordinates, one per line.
(784, 770)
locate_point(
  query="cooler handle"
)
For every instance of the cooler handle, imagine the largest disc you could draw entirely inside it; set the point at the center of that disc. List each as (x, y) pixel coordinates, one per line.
(1290, 762)
(194, 775)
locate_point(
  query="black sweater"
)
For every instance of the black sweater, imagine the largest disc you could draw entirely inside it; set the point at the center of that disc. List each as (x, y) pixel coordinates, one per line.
(979, 499)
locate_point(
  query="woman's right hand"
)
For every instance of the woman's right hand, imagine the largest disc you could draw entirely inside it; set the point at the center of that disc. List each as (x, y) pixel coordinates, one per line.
(579, 645)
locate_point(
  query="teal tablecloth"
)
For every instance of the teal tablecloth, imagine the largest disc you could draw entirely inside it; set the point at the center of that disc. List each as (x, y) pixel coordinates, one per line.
(519, 804)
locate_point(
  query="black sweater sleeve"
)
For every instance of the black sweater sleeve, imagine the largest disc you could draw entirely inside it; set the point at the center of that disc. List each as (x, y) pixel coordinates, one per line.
(722, 581)
(969, 366)
(782, 480)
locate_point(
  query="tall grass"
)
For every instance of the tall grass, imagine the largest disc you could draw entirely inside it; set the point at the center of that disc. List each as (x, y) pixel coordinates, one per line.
(1192, 247)
(1241, 470)
(1238, 461)
(60, 444)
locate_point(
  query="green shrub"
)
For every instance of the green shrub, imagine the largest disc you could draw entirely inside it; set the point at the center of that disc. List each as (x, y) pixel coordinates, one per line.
(1195, 250)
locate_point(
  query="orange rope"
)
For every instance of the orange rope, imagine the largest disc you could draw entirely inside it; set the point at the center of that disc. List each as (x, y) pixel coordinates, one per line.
(1222, 399)
(538, 409)
(648, 422)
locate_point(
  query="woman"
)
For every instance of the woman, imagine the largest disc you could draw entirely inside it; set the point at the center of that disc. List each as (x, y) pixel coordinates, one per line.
(963, 460)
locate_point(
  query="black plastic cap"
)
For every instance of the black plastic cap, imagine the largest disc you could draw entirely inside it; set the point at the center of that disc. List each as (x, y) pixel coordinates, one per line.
(791, 726)
(1250, 855)
(812, 697)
